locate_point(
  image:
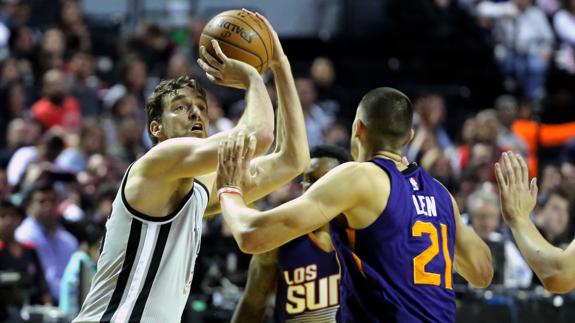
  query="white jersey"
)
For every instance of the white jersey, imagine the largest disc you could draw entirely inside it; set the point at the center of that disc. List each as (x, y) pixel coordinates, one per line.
(146, 266)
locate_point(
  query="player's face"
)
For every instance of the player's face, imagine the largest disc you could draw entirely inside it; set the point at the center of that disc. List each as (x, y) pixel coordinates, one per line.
(317, 168)
(185, 115)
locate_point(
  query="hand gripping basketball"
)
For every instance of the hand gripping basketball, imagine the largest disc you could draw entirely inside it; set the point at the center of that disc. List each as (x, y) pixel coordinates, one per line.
(223, 70)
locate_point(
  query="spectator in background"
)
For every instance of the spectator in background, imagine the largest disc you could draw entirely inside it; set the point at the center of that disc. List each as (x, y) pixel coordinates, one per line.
(22, 43)
(329, 95)
(429, 116)
(539, 135)
(22, 259)
(84, 84)
(133, 80)
(76, 33)
(178, 66)
(317, 121)
(74, 157)
(218, 122)
(552, 217)
(12, 106)
(483, 211)
(29, 163)
(19, 133)
(42, 229)
(56, 107)
(52, 50)
(524, 42)
(506, 107)
(564, 25)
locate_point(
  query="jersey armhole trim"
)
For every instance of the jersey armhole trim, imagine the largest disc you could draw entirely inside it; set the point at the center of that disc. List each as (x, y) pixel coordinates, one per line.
(146, 218)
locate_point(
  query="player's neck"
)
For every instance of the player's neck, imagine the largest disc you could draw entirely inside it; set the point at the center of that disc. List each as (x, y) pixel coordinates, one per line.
(387, 155)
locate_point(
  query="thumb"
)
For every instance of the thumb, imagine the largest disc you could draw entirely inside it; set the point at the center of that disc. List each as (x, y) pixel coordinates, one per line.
(533, 188)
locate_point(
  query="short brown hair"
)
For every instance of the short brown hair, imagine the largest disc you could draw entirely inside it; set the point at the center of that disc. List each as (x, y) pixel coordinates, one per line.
(154, 104)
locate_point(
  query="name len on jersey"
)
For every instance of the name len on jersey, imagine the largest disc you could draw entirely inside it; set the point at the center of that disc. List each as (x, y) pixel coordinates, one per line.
(424, 205)
(307, 293)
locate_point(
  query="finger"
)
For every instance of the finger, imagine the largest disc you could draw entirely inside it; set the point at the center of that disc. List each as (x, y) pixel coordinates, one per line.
(239, 149)
(524, 168)
(508, 168)
(219, 51)
(517, 169)
(221, 157)
(209, 69)
(533, 188)
(231, 146)
(224, 150)
(500, 178)
(211, 60)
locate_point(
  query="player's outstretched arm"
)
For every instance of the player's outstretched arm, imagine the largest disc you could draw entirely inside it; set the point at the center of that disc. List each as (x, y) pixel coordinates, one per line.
(258, 232)
(554, 267)
(190, 157)
(473, 258)
(291, 155)
(262, 280)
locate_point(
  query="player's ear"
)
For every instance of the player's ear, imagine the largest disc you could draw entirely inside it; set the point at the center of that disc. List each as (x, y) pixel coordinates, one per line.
(410, 137)
(156, 129)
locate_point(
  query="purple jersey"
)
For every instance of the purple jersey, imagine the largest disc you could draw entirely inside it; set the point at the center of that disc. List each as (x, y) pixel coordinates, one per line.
(308, 283)
(399, 268)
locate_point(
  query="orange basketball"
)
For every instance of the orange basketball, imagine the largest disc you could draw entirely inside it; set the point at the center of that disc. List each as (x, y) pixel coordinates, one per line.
(241, 36)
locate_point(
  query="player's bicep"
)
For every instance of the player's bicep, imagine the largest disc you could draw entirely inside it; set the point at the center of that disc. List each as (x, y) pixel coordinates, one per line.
(473, 258)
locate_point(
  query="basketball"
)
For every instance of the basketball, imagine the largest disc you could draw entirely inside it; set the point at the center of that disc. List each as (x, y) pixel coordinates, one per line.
(241, 36)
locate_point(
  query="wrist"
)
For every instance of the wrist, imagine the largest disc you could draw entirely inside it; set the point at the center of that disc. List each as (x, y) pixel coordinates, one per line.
(232, 190)
(281, 62)
(517, 222)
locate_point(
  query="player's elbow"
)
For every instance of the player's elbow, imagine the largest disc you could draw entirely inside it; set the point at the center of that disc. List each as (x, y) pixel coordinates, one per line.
(484, 277)
(248, 242)
(557, 284)
(556, 279)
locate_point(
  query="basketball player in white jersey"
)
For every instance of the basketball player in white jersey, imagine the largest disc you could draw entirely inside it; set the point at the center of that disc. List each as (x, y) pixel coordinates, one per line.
(153, 232)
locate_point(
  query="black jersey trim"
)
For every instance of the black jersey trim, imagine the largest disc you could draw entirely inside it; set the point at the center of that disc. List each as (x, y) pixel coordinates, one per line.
(131, 251)
(146, 218)
(410, 169)
(140, 304)
(204, 187)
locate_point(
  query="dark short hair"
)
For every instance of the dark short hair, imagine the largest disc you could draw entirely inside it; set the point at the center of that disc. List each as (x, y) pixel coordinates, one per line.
(41, 186)
(388, 114)
(545, 196)
(154, 104)
(330, 151)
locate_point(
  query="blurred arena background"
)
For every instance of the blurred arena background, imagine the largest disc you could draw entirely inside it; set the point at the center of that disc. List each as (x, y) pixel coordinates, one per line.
(484, 76)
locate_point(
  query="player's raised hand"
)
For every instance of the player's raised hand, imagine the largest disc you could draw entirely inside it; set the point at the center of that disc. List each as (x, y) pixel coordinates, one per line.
(225, 71)
(518, 194)
(234, 156)
(278, 52)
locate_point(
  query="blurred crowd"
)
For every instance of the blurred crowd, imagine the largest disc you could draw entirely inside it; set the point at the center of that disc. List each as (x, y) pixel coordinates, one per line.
(72, 120)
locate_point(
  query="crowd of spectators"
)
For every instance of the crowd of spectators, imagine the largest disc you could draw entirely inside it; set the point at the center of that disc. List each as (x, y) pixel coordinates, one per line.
(72, 120)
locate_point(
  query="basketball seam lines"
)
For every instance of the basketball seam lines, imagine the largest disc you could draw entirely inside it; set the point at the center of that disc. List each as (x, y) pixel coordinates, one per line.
(236, 46)
(261, 38)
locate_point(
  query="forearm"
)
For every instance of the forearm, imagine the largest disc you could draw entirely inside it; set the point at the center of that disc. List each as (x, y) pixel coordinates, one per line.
(258, 116)
(291, 133)
(291, 136)
(262, 278)
(255, 231)
(544, 259)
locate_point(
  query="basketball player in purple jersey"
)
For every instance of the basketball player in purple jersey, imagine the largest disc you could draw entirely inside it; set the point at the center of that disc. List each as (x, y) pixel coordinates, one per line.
(401, 236)
(554, 267)
(304, 272)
